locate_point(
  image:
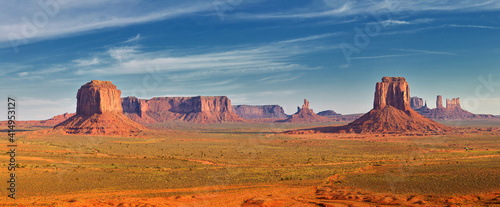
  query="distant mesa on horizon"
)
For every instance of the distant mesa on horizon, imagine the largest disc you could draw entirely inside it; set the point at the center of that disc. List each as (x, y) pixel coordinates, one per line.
(260, 111)
(452, 111)
(102, 97)
(328, 113)
(305, 115)
(198, 109)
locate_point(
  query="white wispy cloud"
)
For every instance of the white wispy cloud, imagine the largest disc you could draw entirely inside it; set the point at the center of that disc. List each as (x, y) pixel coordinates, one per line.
(411, 52)
(380, 56)
(443, 26)
(220, 83)
(23, 74)
(87, 62)
(473, 26)
(427, 52)
(265, 58)
(67, 17)
(391, 22)
(12, 68)
(122, 53)
(133, 39)
(312, 13)
(283, 77)
(397, 22)
(39, 74)
(314, 37)
(335, 8)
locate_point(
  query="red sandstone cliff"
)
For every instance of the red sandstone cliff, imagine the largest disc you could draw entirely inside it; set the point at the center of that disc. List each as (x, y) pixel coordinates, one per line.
(99, 112)
(200, 109)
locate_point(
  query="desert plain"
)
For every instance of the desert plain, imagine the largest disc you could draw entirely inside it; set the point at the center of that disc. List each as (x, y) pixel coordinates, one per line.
(253, 164)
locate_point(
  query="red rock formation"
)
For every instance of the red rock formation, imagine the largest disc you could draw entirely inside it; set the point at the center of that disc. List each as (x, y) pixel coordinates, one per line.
(391, 113)
(305, 105)
(439, 102)
(392, 91)
(99, 112)
(305, 115)
(97, 97)
(200, 109)
(453, 103)
(417, 103)
(260, 112)
(453, 111)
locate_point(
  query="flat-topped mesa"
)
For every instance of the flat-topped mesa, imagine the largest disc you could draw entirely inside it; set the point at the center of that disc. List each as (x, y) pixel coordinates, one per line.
(392, 91)
(199, 109)
(439, 102)
(97, 97)
(216, 104)
(259, 112)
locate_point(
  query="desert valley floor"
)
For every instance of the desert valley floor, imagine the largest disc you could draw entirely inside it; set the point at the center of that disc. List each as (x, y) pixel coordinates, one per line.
(255, 164)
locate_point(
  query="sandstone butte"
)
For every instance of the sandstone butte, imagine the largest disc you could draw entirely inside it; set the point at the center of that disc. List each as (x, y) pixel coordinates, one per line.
(305, 115)
(199, 109)
(392, 113)
(99, 112)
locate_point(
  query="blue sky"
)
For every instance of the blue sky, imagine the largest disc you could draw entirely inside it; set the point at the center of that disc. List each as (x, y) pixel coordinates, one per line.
(256, 52)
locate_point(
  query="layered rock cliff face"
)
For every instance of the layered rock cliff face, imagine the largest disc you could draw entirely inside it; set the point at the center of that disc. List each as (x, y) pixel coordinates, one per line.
(452, 111)
(260, 112)
(392, 113)
(200, 109)
(305, 115)
(416, 103)
(392, 91)
(97, 97)
(99, 112)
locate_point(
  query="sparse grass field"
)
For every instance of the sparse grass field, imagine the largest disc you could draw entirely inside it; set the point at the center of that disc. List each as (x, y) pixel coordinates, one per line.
(217, 156)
